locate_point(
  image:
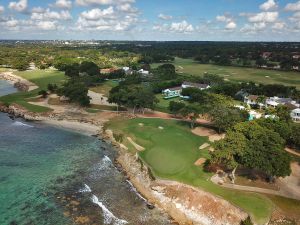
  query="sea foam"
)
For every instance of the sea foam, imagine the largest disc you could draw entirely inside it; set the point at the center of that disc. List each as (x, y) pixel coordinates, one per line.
(85, 189)
(109, 217)
(132, 188)
(18, 123)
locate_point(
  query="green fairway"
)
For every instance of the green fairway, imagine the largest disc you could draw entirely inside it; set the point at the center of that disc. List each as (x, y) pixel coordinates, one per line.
(105, 87)
(41, 78)
(171, 153)
(189, 66)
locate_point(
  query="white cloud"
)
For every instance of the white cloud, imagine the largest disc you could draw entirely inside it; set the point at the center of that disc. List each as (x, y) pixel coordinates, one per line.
(20, 6)
(102, 2)
(268, 5)
(231, 25)
(223, 18)
(46, 25)
(1, 9)
(279, 25)
(50, 15)
(293, 6)
(165, 17)
(126, 7)
(107, 19)
(267, 17)
(96, 14)
(180, 27)
(63, 4)
(38, 10)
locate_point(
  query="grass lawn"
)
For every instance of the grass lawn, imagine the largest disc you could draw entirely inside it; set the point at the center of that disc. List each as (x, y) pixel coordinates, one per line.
(171, 153)
(105, 87)
(189, 66)
(41, 78)
(163, 104)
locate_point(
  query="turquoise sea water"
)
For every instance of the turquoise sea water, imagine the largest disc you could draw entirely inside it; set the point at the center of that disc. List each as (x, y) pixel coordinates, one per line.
(57, 177)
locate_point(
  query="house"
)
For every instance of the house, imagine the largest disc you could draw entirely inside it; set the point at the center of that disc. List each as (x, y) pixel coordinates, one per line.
(251, 99)
(108, 70)
(295, 114)
(127, 70)
(144, 72)
(275, 101)
(195, 85)
(240, 95)
(266, 55)
(296, 56)
(172, 92)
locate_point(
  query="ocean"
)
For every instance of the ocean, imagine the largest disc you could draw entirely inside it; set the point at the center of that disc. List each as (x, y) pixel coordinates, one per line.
(58, 177)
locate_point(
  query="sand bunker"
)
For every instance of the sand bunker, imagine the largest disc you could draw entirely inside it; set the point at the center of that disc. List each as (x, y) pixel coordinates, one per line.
(136, 146)
(205, 145)
(200, 161)
(210, 133)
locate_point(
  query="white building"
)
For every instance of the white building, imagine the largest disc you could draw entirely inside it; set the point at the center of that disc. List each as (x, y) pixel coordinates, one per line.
(144, 72)
(251, 100)
(295, 114)
(195, 85)
(275, 101)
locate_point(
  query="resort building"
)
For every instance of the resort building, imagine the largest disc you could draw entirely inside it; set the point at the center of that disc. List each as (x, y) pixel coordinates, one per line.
(144, 72)
(275, 101)
(172, 92)
(295, 114)
(251, 100)
(108, 70)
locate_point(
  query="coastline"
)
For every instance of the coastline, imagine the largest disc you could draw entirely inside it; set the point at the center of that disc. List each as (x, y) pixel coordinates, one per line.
(159, 193)
(19, 82)
(195, 208)
(206, 209)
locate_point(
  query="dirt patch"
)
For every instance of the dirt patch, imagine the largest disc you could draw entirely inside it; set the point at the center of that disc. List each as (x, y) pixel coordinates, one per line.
(210, 133)
(200, 161)
(290, 185)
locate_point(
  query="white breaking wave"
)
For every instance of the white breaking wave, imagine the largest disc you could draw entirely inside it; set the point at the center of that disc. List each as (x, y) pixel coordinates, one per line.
(132, 188)
(109, 217)
(18, 123)
(105, 163)
(106, 159)
(85, 189)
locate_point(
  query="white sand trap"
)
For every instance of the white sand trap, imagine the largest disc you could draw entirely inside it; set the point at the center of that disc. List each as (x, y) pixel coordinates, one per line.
(206, 132)
(205, 145)
(136, 146)
(161, 128)
(267, 76)
(200, 161)
(141, 124)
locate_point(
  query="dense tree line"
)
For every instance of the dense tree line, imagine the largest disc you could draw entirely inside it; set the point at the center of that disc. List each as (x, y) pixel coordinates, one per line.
(253, 146)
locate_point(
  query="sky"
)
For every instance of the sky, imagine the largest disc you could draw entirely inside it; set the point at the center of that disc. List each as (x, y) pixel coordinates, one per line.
(153, 20)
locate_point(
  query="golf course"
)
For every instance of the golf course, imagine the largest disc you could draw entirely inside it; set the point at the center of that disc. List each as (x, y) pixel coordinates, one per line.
(39, 77)
(190, 67)
(171, 150)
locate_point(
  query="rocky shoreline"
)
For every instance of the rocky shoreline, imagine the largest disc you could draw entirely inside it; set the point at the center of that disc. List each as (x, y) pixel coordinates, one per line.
(184, 204)
(18, 82)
